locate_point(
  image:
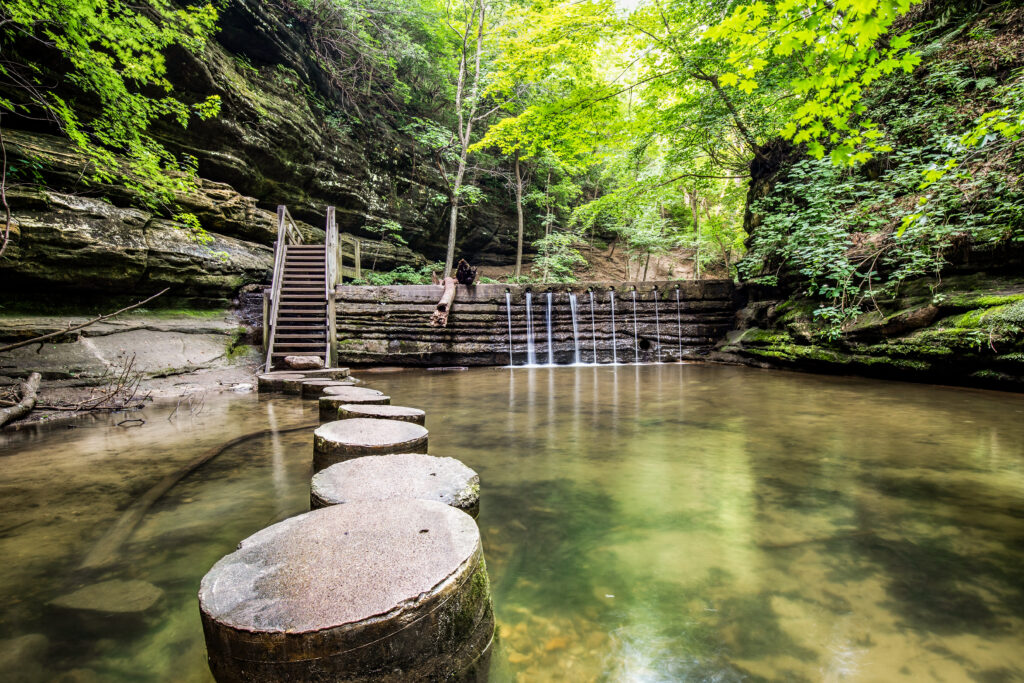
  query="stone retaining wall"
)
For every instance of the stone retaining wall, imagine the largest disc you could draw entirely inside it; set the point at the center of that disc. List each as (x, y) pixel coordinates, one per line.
(391, 325)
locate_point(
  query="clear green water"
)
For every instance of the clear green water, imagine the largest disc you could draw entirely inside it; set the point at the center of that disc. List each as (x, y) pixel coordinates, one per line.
(649, 523)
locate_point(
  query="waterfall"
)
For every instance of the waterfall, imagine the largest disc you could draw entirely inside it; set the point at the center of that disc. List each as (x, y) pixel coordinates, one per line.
(531, 352)
(551, 351)
(615, 341)
(575, 329)
(679, 326)
(657, 325)
(593, 326)
(636, 334)
(508, 310)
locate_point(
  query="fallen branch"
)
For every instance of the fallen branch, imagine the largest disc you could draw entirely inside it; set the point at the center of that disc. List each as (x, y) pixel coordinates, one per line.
(440, 316)
(106, 550)
(42, 338)
(29, 389)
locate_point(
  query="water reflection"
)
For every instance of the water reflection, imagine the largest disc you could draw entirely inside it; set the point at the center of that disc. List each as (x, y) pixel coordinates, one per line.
(641, 523)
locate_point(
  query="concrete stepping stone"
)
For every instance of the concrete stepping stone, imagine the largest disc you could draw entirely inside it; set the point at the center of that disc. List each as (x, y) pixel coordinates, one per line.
(399, 476)
(314, 388)
(381, 412)
(273, 383)
(373, 591)
(335, 442)
(335, 397)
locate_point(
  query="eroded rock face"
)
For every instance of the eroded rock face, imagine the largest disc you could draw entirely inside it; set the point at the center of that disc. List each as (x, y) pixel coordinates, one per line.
(278, 140)
(76, 243)
(381, 591)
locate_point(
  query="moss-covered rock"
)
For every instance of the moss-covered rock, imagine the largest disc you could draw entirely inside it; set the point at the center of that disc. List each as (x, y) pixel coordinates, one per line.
(969, 330)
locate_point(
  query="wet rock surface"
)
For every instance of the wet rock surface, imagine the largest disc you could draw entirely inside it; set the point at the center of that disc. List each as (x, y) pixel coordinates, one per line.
(399, 476)
(382, 412)
(315, 388)
(335, 397)
(341, 440)
(393, 590)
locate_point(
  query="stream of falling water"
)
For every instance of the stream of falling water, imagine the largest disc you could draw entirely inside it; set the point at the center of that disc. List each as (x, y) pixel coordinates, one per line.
(531, 351)
(615, 341)
(636, 333)
(593, 325)
(551, 351)
(508, 310)
(575, 329)
(657, 326)
(679, 326)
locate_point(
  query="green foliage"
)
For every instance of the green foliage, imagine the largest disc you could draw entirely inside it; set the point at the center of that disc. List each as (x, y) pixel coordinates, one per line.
(402, 275)
(113, 57)
(558, 256)
(834, 50)
(396, 54)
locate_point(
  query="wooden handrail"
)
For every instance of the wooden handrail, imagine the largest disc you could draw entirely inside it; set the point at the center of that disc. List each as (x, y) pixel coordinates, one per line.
(287, 233)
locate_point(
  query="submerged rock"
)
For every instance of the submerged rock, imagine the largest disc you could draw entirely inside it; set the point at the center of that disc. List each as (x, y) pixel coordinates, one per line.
(382, 591)
(112, 597)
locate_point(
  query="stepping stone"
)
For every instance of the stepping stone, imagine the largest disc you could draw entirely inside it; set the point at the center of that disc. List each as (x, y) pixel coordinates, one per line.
(314, 388)
(273, 382)
(342, 440)
(347, 411)
(327, 373)
(387, 590)
(401, 476)
(335, 397)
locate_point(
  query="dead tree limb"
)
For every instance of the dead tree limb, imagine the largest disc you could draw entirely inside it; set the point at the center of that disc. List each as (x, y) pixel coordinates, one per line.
(29, 388)
(106, 550)
(444, 306)
(72, 328)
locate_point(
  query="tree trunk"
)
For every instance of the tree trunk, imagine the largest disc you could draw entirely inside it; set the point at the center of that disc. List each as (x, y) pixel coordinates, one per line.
(547, 225)
(444, 306)
(453, 220)
(519, 217)
(696, 228)
(29, 388)
(647, 263)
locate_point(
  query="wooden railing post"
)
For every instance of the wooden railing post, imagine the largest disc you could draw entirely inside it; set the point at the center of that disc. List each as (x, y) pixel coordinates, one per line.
(332, 271)
(359, 260)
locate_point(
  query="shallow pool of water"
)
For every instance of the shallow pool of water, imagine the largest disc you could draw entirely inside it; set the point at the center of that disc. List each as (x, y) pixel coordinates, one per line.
(640, 523)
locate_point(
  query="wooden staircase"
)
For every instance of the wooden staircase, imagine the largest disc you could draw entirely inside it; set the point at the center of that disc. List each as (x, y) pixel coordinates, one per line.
(301, 323)
(300, 315)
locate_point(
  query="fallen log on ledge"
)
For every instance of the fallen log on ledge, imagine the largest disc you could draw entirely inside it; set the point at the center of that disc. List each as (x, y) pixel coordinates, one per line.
(29, 389)
(440, 316)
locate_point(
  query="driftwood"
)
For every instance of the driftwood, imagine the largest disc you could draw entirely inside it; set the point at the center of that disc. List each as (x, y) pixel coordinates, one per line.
(29, 389)
(440, 316)
(36, 340)
(106, 550)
